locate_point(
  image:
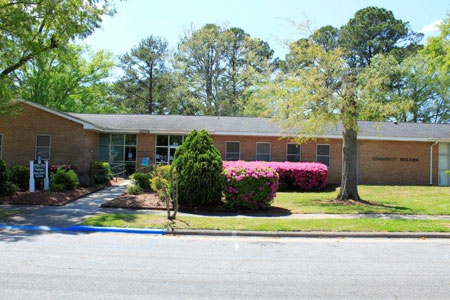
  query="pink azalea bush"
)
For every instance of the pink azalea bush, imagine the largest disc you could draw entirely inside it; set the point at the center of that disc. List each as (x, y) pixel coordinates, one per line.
(250, 185)
(300, 176)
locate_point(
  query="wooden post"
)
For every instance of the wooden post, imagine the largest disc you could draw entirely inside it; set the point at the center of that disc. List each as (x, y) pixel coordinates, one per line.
(32, 188)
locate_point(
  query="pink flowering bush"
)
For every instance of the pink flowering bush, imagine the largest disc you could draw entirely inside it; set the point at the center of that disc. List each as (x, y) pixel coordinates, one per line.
(250, 185)
(300, 176)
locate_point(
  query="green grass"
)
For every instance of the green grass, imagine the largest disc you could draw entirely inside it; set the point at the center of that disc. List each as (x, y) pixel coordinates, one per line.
(5, 213)
(427, 200)
(259, 224)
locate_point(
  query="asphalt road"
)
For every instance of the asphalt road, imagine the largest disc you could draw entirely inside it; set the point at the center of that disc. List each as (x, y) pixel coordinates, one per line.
(36, 265)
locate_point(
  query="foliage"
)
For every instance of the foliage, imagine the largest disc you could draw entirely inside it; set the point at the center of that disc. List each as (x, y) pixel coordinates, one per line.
(101, 172)
(70, 78)
(134, 189)
(54, 168)
(141, 179)
(250, 185)
(4, 174)
(32, 28)
(63, 178)
(300, 176)
(199, 170)
(216, 67)
(146, 84)
(20, 176)
(8, 188)
(438, 47)
(160, 180)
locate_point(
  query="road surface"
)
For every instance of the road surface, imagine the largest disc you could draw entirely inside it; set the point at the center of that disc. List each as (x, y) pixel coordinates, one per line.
(37, 265)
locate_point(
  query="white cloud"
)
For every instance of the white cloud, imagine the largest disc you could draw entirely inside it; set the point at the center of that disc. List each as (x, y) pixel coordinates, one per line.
(432, 27)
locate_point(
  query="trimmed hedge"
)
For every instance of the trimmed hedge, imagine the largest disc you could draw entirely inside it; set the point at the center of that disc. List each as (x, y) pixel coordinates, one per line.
(63, 180)
(199, 170)
(102, 172)
(20, 176)
(141, 179)
(250, 185)
(300, 176)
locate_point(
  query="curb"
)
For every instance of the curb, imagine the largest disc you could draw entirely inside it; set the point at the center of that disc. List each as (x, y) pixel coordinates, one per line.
(82, 228)
(311, 234)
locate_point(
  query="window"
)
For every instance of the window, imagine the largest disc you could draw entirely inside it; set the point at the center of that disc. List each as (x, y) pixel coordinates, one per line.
(323, 154)
(120, 151)
(166, 145)
(444, 163)
(1, 143)
(232, 150)
(293, 152)
(42, 147)
(263, 151)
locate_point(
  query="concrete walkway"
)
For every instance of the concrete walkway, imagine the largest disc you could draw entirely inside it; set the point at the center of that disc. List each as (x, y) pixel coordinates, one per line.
(61, 216)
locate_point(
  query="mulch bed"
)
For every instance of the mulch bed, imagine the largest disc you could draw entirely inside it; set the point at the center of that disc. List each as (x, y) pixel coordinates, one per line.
(48, 198)
(142, 201)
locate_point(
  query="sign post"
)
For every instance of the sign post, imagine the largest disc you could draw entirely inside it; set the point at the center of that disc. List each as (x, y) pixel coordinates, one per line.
(46, 180)
(32, 190)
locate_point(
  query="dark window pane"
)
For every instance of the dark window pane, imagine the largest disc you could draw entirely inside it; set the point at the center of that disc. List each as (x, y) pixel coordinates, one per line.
(233, 147)
(293, 149)
(105, 139)
(117, 139)
(130, 153)
(263, 148)
(232, 156)
(176, 140)
(130, 168)
(162, 140)
(43, 152)
(117, 153)
(172, 154)
(161, 155)
(324, 160)
(263, 157)
(130, 139)
(323, 150)
(293, 158)
(117, 169)
(43, 141)
(103, 153)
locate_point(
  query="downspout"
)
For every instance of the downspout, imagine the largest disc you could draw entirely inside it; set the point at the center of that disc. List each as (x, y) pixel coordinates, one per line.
(431, 162)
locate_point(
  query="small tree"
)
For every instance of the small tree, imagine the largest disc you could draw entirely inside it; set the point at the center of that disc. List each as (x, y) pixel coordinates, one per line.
(198, 167)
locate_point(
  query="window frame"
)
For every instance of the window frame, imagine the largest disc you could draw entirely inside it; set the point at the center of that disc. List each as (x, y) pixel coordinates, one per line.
(226, 152)
(270, 150)
(329, 153)
(299, 154)
(168, 146)
(49, 146)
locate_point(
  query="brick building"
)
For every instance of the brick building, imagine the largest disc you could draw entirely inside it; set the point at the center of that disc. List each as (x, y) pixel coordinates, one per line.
(388, 153)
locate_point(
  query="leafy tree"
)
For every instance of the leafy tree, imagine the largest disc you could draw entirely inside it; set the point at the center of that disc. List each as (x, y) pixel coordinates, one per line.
(198, 166)
(327, 37)
(438, 48)
(29, 28)
(373, 31)
(147, 82)
(216, 67)
(70, 78)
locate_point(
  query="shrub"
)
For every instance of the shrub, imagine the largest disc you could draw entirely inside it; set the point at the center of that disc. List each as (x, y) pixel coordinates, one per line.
(300, 176)
(8, 188)
(199, 167)
(55, 187)
(54, 168)
(68, 179)
(250, 185)
(20, 176)
(141, 179)
(101, 172)
(160, 180)
(134, 189)
(4, 175)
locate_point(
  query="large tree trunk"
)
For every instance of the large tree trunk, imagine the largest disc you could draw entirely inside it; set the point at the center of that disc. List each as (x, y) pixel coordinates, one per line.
(349, 180)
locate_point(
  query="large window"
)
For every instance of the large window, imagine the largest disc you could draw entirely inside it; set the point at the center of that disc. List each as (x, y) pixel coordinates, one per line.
(1, 144)
(263, 151)
(120, 151)
(42, 149)
(323, 154)
(444, 163)
(232, 150)
(166, 145)
(293, 152)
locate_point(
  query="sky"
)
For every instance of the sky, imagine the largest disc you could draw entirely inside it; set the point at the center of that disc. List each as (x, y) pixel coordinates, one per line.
(271, 21)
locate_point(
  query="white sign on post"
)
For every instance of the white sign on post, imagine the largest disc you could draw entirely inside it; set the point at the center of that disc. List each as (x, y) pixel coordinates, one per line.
(39, 170)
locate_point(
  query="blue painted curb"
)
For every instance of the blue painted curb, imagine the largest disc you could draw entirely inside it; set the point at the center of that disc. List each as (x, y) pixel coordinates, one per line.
(82, 228)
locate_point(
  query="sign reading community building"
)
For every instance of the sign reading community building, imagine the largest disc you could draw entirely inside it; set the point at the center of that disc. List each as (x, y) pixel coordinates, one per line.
(402, 159)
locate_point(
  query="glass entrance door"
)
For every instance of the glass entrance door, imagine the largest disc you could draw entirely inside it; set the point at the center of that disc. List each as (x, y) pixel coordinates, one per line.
(444, 163)
(120, 151)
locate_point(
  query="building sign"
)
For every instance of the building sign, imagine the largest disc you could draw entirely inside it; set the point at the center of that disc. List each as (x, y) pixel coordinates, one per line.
(145, 161)
(402, 159)
(39, 170)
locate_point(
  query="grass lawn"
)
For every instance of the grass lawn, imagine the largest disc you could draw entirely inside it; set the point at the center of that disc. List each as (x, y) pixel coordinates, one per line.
(427, 200)
(5, 213)
(378, 225)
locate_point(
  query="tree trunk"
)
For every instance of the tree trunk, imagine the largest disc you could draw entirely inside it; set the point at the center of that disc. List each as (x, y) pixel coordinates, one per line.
(349, 180)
